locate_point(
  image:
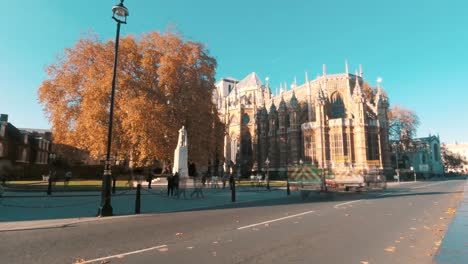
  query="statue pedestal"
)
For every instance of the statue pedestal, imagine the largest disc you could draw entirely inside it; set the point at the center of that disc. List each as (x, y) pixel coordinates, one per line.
(181, 155)
(180, 161)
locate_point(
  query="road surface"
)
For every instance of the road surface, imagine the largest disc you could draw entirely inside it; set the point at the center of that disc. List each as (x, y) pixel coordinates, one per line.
(404, 224)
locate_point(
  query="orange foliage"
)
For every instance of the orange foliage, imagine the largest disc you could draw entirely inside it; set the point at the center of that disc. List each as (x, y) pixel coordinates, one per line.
(163, 82)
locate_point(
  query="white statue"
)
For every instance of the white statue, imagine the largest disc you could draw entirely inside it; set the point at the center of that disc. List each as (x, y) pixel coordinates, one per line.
(182, 137)
(180, 155)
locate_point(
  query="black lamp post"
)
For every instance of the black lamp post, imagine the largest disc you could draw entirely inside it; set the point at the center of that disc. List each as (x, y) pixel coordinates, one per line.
(120, 16)
(267, 163)
(288, 189)
(51, 173)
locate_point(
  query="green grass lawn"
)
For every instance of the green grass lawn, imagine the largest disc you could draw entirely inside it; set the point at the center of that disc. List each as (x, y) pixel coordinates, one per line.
(272, 183)
(74, 184)
(96, 184)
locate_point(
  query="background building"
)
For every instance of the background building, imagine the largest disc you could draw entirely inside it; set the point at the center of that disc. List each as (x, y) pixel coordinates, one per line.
(335, 121)
(23, 152)
(423, 155)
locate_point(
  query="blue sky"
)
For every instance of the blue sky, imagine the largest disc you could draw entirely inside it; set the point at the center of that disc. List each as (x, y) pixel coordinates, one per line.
(418, 47)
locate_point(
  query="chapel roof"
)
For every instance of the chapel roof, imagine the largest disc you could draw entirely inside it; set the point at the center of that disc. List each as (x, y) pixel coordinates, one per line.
(251, 80)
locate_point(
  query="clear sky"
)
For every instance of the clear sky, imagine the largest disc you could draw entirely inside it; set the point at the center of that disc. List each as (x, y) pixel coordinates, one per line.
(418, 47)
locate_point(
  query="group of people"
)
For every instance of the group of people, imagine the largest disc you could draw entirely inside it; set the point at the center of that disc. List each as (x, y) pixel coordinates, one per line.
(176, 185)
(173, 182)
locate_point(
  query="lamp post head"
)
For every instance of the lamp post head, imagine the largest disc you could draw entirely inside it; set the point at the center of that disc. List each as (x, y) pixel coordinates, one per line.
(267, 161)
(301, 162)
(120, 13)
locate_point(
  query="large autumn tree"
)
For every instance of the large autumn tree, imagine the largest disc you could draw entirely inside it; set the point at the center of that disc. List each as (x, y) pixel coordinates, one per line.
(163, 83)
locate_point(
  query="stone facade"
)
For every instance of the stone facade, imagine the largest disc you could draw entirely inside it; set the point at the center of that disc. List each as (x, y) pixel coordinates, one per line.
(334, 121)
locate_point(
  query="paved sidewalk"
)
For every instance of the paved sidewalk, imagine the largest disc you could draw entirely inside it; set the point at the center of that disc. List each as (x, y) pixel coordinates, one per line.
(29, 210)
(454, 248)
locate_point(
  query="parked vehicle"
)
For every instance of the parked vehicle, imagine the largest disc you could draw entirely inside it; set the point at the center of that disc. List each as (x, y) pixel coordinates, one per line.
(307, 177)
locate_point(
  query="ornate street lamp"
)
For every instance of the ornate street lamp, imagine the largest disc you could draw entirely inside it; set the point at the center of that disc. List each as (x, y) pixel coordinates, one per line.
(120, 13)
(267, 163)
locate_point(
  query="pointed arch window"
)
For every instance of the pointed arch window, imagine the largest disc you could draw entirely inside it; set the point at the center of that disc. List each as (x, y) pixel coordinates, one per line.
(436, 152)
(337, 106)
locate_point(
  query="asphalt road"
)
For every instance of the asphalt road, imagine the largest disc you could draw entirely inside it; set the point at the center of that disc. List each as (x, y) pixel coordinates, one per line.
(400, 225)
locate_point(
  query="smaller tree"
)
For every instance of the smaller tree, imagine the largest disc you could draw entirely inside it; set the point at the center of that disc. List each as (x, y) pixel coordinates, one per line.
(403, 124)
(452, 161)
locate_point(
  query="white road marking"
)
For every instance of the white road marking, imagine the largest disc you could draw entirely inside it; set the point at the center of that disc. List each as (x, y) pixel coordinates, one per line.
(124, 254)
(244, 227)
(274, 220)
(355, 201)
(390, 193)
(384, 194)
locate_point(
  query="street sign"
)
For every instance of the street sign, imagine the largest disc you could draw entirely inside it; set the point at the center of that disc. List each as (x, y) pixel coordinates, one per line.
(424, 167)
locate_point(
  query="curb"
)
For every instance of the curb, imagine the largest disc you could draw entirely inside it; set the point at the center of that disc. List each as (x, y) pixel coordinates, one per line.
(54, 223)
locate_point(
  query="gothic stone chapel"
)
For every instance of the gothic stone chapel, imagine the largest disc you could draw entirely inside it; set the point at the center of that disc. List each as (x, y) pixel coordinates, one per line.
(335, 121)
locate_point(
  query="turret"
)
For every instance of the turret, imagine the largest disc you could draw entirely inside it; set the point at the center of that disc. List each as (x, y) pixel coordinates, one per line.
(263, 135)
(282, 115)
(272, 136)
(294, 110)
(358, 94)
(294, 134)
(283, 126)
(309, 98)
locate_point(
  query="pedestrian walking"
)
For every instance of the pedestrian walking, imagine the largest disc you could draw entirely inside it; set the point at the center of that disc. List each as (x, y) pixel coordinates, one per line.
(53, 177)
(149, 178)
(197, 188)
(224, 179)
(203, 179)
(182, 187)
(170, 185)
(192, 169)
(4, 178)
(67, 178)
(130, 179)
(176, 183)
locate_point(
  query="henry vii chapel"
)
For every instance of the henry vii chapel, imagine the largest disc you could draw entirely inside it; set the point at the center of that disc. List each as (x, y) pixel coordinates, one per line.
(333, 121)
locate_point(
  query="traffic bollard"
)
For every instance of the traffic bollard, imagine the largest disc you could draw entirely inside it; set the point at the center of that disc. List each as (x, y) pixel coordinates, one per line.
(49, 187)
(137, 200)
(233, 191)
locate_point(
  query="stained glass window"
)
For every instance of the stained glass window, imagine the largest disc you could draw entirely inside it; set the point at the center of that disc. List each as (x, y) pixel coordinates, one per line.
(337, 106)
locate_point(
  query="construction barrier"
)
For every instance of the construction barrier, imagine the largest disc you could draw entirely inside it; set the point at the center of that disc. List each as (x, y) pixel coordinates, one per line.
(305, 173)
